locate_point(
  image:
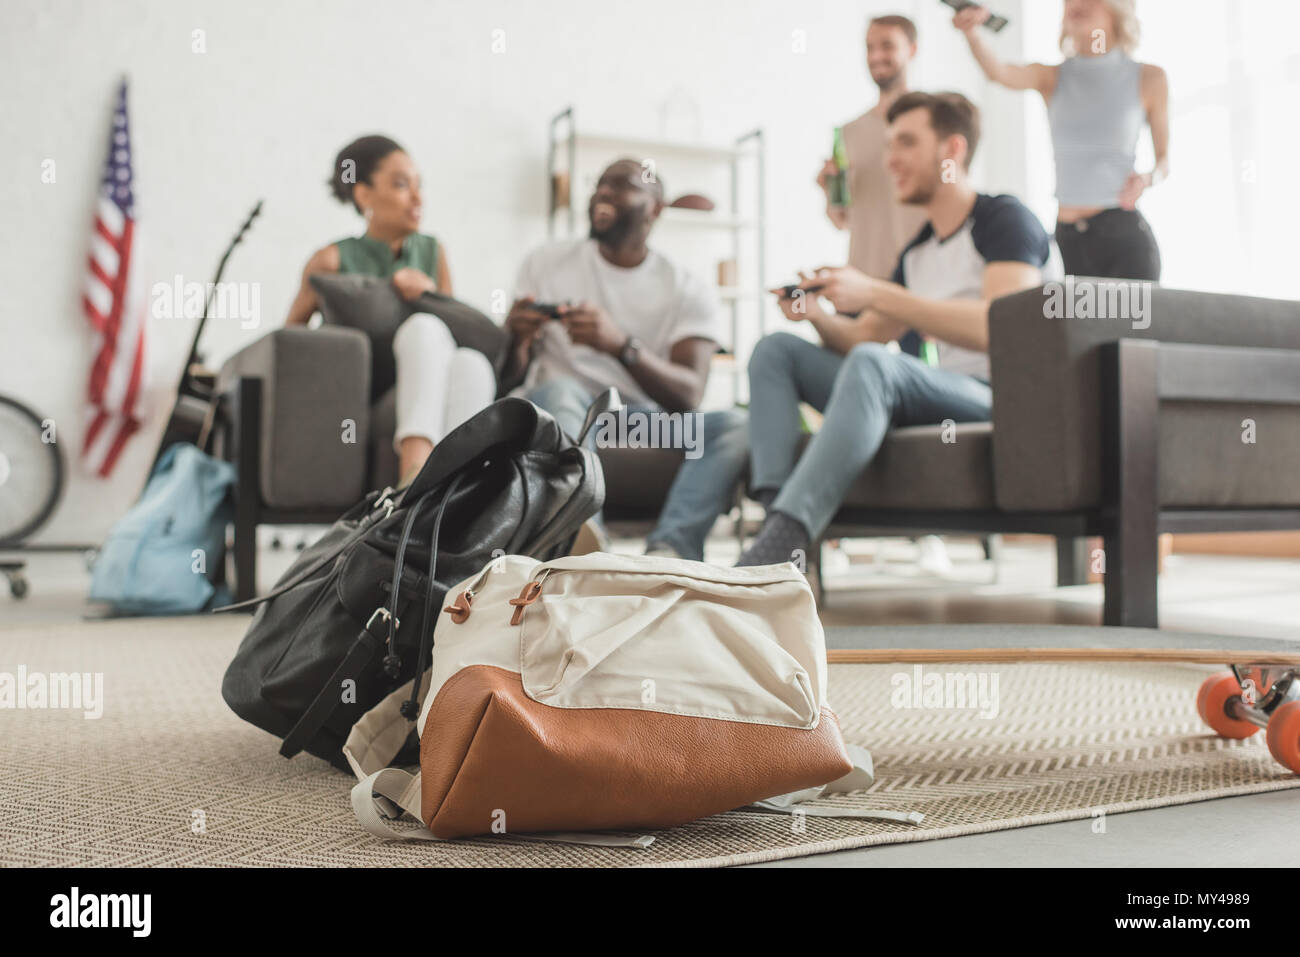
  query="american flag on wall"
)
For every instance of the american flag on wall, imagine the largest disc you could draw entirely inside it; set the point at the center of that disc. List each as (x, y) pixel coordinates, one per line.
(115, 305)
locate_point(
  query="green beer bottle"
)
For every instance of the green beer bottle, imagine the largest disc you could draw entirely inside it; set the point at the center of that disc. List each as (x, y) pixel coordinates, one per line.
(839, 183)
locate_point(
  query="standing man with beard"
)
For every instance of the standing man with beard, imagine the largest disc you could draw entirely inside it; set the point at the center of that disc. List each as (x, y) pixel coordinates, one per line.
(630, 318)
(878, 224)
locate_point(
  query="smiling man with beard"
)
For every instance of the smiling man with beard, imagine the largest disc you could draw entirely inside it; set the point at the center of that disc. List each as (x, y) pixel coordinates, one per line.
(626, 316)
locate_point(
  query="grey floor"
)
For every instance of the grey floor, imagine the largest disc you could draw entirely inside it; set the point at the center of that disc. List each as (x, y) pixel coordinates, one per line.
(1251, 831)
(877, 583)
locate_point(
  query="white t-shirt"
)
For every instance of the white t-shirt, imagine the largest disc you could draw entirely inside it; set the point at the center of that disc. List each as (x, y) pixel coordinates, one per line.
(658, 302)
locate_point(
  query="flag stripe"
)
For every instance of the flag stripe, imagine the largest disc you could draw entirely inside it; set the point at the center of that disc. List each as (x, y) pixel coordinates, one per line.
(124, 432)
(118, 346)
(97, 420)
(115, 308)
(97, 272)
(111, 220)
(105, 254)
(99, 296)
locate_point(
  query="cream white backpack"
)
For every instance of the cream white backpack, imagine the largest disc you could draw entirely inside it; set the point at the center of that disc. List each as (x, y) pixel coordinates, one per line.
(607, 692)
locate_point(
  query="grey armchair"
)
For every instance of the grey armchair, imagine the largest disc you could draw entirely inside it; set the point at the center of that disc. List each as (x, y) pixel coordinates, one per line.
(308, 442)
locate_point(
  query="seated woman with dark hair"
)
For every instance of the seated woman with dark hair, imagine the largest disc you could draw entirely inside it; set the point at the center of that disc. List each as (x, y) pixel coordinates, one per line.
(439, 385)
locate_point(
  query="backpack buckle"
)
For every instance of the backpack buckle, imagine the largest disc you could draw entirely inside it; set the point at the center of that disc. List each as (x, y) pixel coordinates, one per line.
(530, 593)
(460, 608)
(385, 501)
(381, 614)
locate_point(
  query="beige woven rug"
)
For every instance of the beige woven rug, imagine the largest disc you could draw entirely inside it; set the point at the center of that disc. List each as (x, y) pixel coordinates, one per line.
(169, 776)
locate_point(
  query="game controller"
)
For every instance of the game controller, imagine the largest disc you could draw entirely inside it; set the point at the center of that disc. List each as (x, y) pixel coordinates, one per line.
(994, 22)
(787, 292)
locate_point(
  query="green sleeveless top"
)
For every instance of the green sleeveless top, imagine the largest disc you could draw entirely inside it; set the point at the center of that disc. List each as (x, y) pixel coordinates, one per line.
(364, 256)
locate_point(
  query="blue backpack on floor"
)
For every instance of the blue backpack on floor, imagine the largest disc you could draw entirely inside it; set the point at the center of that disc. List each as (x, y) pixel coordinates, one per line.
(159, 558)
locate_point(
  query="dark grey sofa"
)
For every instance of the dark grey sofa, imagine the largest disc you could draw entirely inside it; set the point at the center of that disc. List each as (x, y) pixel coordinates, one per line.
(1099, 429)
(1103, 429)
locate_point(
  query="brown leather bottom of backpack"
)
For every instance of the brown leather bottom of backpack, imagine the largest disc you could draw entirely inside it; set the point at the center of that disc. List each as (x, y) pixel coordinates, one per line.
(493, 760)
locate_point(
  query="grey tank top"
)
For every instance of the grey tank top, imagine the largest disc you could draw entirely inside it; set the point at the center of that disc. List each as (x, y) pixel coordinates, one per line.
(1096, 116)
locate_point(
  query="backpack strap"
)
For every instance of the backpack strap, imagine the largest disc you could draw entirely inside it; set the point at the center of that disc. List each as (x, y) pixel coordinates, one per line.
(385, 795)
(381, 628)
(384, 501)
(369, 640)
(859, 778)
(379, 734)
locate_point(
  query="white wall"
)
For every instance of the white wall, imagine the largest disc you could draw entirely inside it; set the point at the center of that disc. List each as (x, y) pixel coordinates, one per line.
(282, 86)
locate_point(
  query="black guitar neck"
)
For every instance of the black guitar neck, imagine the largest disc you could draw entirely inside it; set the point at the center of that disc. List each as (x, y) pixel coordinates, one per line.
(194, 356)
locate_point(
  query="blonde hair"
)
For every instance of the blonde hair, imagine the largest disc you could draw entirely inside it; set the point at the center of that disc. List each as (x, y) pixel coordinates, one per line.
(1128, 30)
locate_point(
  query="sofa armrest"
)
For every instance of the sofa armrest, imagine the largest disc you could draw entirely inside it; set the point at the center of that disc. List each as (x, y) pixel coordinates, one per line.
(1044, 351)
(315, 414)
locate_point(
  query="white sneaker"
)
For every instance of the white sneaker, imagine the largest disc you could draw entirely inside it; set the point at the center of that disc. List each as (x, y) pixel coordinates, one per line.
(835, 561)
(933, 557)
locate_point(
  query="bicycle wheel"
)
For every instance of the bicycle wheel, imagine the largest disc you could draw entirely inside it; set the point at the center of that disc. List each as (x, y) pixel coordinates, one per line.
(31, 472)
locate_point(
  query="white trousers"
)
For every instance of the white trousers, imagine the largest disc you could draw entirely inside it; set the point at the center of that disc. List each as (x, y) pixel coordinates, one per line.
(439, 385)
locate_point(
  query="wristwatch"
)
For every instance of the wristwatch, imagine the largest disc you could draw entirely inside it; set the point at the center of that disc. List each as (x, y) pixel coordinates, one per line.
(630, 351)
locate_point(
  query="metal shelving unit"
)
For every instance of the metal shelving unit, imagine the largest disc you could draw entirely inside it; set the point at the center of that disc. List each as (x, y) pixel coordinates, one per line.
(746, 226)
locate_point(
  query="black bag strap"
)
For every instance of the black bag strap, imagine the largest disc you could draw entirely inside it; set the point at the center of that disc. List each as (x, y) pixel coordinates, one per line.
(411, 708)
(369, 640)
(380, 629)
(385, 502)
(392, 663)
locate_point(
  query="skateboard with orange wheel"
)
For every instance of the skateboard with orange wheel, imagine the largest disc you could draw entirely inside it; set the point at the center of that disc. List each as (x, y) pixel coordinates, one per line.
(1237, 703)
(1262, 689)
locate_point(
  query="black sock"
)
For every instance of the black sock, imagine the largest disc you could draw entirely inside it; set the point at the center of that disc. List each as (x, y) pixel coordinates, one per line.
(781, 539)
(765, 496)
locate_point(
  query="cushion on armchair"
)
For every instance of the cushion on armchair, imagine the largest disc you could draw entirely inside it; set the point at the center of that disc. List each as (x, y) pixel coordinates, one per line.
(371, 305)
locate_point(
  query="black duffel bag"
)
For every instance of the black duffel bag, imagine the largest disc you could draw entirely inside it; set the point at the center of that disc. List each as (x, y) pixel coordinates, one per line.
(352, 620)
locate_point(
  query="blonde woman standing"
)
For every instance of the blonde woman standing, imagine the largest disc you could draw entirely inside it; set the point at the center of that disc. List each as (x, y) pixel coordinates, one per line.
(1098, 100)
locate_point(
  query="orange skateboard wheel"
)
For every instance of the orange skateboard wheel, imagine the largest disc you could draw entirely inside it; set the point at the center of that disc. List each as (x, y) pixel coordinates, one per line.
(1284, 735)
(1210, 705)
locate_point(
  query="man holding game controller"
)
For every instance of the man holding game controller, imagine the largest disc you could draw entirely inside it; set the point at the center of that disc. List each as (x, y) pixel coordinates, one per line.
(972, 249)
(610, 311)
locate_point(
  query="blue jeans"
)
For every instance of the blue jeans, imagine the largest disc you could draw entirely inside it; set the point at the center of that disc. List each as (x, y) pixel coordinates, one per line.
(704, 486)
(862, 394)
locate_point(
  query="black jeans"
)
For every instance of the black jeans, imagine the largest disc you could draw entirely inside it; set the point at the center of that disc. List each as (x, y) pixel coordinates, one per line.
(1113, 244)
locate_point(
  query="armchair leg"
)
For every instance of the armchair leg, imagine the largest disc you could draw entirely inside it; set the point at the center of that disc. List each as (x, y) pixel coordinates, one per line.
(1071, 561)
(1132, 563)
(1132, 547)
(245, 558)
(247, 485)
